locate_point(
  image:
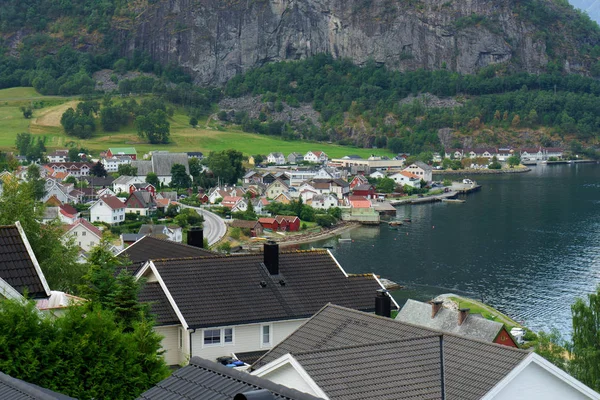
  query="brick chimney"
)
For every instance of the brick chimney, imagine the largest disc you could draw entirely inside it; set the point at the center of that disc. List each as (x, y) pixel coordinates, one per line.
(196, 237)
(463, 313)
(271, 257)
(436, 305)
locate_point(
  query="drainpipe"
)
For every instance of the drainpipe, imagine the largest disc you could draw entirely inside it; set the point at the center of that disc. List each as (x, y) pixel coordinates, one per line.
(191, 331)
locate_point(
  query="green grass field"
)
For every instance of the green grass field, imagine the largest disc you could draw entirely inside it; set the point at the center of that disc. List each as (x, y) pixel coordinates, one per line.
(46, 122)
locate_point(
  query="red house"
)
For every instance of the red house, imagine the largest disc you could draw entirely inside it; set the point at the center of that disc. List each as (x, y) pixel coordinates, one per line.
(269, 223)
(122, 151)
(358, 180)
(367, 191)
(146, 187)
(290, 222)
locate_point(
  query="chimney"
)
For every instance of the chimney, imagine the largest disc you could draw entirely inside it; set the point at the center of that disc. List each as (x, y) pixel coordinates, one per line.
(261, 394)
(196, 237)
(271, 257)
(383, 304)
(463, 313)
(436, 305)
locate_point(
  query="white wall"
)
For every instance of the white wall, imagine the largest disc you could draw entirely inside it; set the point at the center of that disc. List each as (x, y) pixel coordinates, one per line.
(245, 338)
(534, 382)
(84, 238)
(170, 343)
(288, 376)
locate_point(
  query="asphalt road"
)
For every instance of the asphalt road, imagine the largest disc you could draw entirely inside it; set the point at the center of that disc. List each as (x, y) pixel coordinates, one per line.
(214, 226)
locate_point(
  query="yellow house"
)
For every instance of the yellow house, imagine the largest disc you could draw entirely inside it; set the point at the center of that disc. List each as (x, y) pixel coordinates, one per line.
(276, 188)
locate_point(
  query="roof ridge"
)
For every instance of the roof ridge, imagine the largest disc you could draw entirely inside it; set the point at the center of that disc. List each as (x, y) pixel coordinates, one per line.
(353, 346)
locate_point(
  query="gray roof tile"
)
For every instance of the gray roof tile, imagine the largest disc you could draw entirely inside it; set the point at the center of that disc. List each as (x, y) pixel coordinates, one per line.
(16, 389)
(207, 380)
(446, 320)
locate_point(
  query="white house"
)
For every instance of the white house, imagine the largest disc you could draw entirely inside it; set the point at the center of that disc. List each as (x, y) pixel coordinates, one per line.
(377, 175)
(173, 233)
(64, 193)
(76, 169)
(58, 156)
(199, 314)
(85, 235)
(406, 178)
(276, 188)
(328, 173)
(421, 170)
(122, 183)
(316, 157)
(108, 209)
(161, 164)
(276, 158)
(323, 201)
(435, 365)
(112, 164)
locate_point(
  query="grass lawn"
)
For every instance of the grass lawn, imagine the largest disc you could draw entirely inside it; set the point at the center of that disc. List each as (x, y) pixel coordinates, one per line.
(205, 137)
(486, 311)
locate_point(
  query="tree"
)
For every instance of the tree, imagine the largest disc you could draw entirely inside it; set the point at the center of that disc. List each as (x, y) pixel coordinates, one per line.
(22, 142)
(152, 179)
(71, 179)
(386, 185)
(195, 167)
(27, 111)
(513, 160)
(495, 164)
(193, 121)
(128, 170)
(180, 177)
(551, 346)
(74, 155)
(99, 170)
(585, 346)
(154, 127)
(35, 181)
(227, 165)
(57, 259)
(258, 158)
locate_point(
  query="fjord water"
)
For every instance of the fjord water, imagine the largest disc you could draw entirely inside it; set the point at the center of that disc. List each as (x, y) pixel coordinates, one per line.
(527, 244)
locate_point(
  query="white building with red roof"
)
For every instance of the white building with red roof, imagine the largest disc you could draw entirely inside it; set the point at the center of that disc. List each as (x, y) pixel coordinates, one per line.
(108, 209)
(85, 235)
(406, 178)
(316, 157)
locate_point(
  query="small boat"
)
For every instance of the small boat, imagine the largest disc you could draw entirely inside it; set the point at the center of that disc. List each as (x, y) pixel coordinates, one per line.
(394, 223)
(327, 246)
(453, 201)
(344, 240)
(407, 220)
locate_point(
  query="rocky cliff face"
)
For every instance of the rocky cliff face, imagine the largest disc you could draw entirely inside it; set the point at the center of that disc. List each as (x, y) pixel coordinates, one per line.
(216, 39)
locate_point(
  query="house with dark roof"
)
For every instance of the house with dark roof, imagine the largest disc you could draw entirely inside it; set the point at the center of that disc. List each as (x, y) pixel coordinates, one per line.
(421, 170)
(108, 209)
(140, 202)
(20, 272)
(169, 232)
(124, 182)
(344, 354)
(16, 389)
(161, 164)
(460, 322)
(295, 158)
(203, 379)
(253, 227)
(213, 307)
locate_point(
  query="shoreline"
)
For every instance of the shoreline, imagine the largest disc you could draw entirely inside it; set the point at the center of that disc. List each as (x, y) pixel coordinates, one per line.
(482, 171)
(321, 235)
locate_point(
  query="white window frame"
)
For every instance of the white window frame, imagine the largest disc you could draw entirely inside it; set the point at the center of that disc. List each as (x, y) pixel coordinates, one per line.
(222, 342)
(262, 343)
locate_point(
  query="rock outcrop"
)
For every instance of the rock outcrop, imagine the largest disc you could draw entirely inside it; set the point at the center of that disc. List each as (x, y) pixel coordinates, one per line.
(216, 39)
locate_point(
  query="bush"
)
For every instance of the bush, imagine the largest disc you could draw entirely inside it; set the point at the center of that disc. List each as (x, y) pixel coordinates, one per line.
(235, 233)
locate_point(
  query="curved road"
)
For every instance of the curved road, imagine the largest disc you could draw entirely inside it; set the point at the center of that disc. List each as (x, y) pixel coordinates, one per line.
(214, 226)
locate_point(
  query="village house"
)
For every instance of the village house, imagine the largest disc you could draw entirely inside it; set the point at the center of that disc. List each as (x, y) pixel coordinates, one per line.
(200, 315)
(339, 187)
(161, 164)
(235, 203)
(276, 158)
(283, 198)
(421, 170)
(145, 187)
(253, 227)
(289, 223)
(405, 361)
(84, 234)
(318, 157)
(108, 209)
(140, 202)
(295, 158)
(377, 175)
(323, 201)
(75, 169)
(150, 247)
(328, 173)
(122, 151)
(252, 177)
(276, 188)
(259, 205)
(170, 232)
(58, 156)
(406, 178)
(269, 223)
(358, 180)
(64, 193)
(123, 183)
(361, 210)
(459, 322)
(300, 175)
(64, 213)
(365, 190)
(111, 164)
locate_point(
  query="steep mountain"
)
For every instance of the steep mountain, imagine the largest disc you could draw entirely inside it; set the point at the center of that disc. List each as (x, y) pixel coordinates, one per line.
(216, 39)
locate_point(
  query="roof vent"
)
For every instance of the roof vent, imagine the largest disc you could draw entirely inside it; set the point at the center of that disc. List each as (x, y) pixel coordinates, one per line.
(263, 284)
(255, 395)
(282, 282)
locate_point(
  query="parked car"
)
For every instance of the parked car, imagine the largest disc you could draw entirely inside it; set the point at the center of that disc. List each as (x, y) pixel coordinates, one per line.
(467, 182)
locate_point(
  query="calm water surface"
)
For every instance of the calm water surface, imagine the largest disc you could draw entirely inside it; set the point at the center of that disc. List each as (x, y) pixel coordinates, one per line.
(527, 244)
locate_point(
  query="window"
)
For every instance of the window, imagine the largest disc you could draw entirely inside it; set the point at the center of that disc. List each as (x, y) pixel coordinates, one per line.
(83, 233)
(212, 336)
(75, 233)
(228, 335)
(180, 338)
(265, 335)
(114, 218)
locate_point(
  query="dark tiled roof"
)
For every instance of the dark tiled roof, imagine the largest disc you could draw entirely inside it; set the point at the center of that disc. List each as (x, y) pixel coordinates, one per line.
(240, 223)
(16, 265)
(215, 291)
(405, 369)
(207, 380)
(250, 357)
(446, 320)
(16, 389)
(151, 248)
(159, 304)
(471, 367)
